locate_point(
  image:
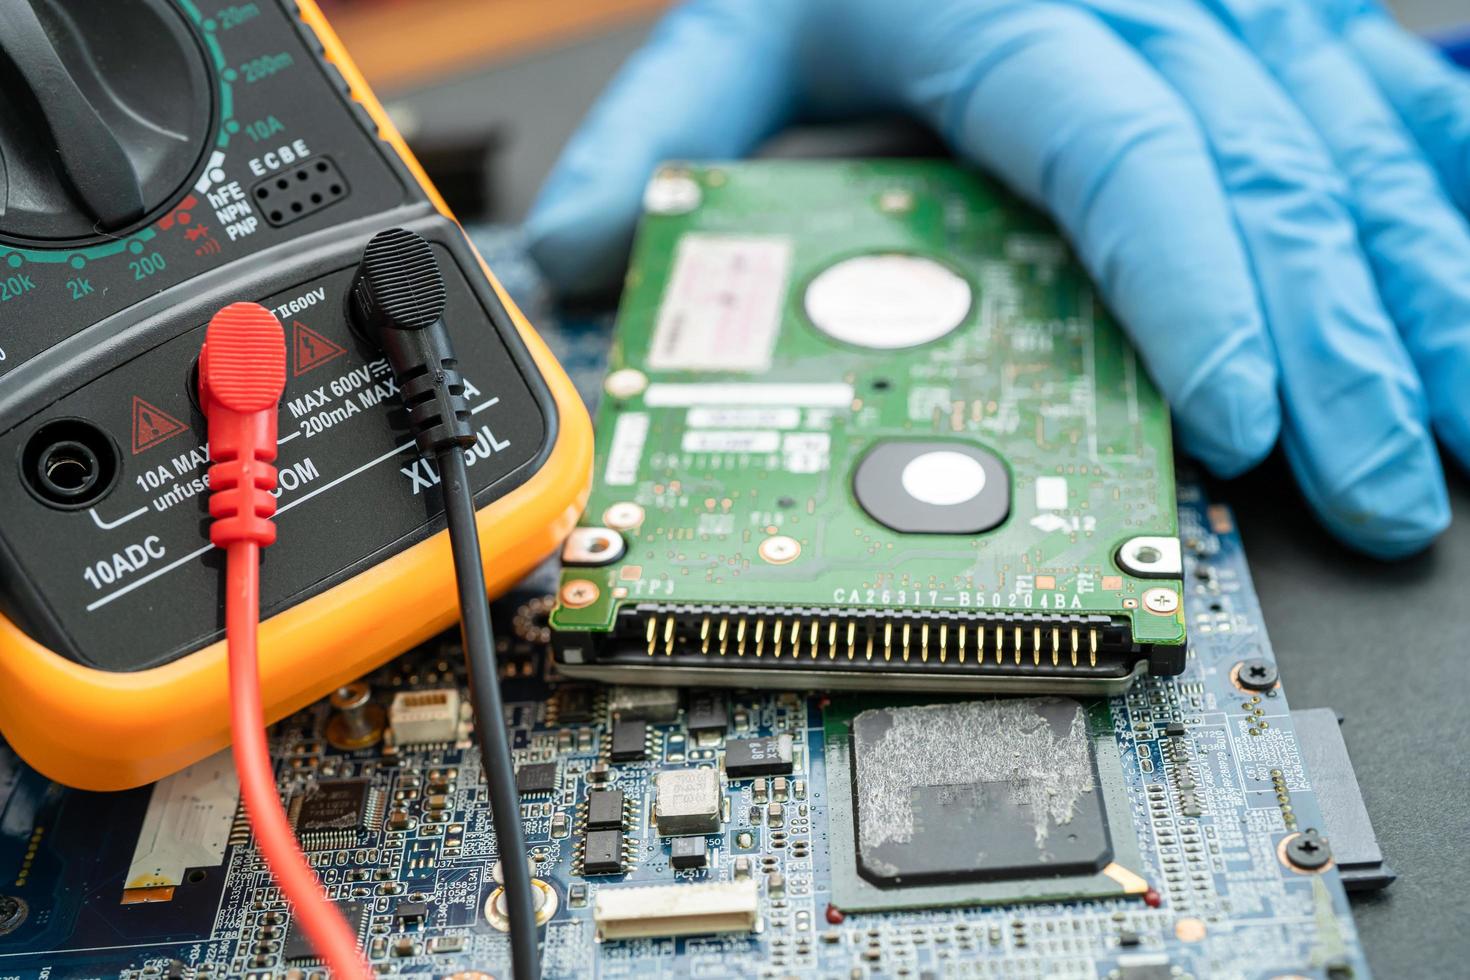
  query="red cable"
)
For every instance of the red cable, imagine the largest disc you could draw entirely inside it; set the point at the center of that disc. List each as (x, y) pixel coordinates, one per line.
(242, 372)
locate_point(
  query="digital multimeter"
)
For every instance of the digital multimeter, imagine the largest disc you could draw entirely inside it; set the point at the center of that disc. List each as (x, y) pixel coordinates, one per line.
(160, 159)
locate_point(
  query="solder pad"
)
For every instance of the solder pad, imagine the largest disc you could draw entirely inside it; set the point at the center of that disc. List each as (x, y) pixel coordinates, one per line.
(976, 802)
(870, 418)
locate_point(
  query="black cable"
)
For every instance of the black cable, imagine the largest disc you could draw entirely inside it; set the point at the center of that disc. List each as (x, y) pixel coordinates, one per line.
(479, 651)
(397, 301)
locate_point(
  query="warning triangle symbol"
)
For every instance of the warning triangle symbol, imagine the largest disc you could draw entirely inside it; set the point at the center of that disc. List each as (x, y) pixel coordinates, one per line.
(152, 425)
(310, 349)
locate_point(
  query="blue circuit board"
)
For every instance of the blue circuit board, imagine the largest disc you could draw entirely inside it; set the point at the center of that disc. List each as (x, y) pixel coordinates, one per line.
(1213, 786)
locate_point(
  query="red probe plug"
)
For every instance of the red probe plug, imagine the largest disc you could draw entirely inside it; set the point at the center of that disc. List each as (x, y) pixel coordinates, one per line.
(242, 372)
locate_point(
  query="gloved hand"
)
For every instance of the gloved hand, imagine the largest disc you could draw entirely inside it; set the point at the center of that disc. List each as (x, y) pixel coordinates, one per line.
(1266, 192)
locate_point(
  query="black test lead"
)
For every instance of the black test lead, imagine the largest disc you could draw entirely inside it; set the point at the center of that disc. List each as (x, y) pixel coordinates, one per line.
(397, 301)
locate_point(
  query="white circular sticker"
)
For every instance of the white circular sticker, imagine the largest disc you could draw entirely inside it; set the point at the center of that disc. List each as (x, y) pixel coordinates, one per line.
(943, 478)
(887, 301)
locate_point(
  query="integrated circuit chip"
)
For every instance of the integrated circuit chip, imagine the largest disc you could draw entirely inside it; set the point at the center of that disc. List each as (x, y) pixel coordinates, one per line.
(708, 712)
(974, 802)
(602, 852)
(575, 704)
(629, 741)
(605, 809)
(769, 756)
(297, 947)
(978, 791)
(536, 778)
(334, 813)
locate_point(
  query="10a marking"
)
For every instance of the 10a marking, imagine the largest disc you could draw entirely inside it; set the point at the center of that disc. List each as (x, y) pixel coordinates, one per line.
(133, 558)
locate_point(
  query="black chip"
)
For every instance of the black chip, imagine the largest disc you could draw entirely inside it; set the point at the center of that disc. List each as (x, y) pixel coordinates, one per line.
(688, 852)
(411, 913)
(708, 712)
(1151, 966)
(628, 741)
(575, 704)
(758, 757)
(536, 777)
(334, 810)
(605, 809)
(298, 948)
(1174, 728)
(933, 487)
(603, 852)
(1026, 807)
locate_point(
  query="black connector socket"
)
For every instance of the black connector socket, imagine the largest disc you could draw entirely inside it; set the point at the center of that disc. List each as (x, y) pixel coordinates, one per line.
(69, 464)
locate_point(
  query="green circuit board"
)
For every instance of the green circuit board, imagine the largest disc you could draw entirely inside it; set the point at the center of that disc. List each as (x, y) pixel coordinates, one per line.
(870, 417)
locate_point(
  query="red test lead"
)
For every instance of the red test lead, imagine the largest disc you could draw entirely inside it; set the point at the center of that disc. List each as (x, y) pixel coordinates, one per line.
(242, 371)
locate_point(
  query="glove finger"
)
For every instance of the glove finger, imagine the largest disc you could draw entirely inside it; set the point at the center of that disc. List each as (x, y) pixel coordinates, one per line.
(1117, 159)
(1429, 92)
(714, 80)
(1322, 116)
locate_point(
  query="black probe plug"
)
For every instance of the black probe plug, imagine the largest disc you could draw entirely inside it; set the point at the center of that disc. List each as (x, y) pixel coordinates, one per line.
(398, 302)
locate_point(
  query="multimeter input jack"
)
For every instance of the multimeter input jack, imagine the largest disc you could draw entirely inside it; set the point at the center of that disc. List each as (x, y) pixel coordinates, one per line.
(69, 463)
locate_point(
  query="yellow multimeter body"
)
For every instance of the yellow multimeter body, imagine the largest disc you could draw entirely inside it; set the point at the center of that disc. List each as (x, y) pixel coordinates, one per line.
(203, 158)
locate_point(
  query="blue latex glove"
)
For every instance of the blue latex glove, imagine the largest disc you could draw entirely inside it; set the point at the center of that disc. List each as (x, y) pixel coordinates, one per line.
(1268, 192)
